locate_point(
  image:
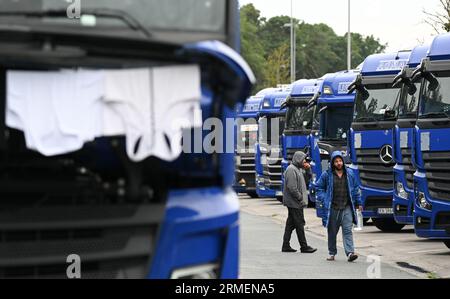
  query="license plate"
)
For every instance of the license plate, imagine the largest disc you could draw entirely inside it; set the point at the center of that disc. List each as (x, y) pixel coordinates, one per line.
(386, 211)
(279, 193)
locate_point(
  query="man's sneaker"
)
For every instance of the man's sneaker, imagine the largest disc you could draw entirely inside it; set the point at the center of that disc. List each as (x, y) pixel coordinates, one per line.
(352, 257)
(289, 249)
(308, 249)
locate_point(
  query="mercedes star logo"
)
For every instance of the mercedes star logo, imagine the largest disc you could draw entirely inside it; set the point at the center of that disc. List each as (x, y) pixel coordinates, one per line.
(386, 154)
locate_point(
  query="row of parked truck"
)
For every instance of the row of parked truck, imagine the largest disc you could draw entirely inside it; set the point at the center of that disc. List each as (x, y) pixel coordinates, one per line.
(391, 119)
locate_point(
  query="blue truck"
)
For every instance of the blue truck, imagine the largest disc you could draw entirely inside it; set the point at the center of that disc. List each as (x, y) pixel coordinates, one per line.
(407, 109)
(247, 136)
(334, 112)
(371, 137)
(95, 209)
(299, 119)
(432, 144)
(271, 118)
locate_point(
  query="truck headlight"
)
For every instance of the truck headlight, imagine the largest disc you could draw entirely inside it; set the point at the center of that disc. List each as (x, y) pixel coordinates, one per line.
(424, 204)
(401, 192)
(208, 271)
(260, 180)
(238, 160)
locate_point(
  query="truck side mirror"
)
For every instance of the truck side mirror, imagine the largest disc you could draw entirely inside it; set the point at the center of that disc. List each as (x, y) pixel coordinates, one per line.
(284, 105)
(389, 114)
(399, 79)
(433, 81)
(412, 89)
(323, 109)
(314, 99)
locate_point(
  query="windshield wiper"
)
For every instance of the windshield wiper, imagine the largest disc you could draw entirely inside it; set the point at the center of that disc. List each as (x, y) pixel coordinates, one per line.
(129, 20)
(435, 115)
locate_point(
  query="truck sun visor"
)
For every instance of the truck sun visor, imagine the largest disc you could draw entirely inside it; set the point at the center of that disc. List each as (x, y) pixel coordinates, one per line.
(60, 111)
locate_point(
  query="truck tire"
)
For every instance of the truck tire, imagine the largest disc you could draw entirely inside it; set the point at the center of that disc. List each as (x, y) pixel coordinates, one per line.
(447, 243)
(387, 225)
(252, 194)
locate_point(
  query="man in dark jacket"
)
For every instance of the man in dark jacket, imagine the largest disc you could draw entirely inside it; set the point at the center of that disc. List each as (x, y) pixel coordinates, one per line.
(339, 193)
(295, 198)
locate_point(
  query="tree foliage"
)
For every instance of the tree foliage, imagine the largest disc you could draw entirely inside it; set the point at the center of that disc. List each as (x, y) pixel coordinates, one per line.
(439, 20)
(266, 46)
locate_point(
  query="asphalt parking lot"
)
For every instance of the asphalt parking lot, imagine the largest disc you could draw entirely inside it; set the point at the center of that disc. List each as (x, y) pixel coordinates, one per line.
(400, 255)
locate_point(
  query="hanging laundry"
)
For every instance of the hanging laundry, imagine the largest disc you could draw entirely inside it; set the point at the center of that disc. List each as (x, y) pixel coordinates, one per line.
(60, 111)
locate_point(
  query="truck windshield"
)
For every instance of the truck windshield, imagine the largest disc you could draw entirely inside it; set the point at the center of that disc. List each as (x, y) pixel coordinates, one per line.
(436, 103)
(335, 123)
(174, 15)
(248, 136)
(381, 98)
(267, 125)
(299, 118)
(408, 104)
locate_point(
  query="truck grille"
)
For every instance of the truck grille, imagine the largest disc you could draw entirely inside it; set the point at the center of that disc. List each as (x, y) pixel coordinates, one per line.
(437, 166)
(247, 163)
(246, 170)
(272, 172)
(112, 241)
(49, 210)
(408, 166)
(372, 171)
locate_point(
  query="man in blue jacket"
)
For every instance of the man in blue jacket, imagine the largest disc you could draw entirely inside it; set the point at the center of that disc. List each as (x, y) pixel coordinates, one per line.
(339, 192)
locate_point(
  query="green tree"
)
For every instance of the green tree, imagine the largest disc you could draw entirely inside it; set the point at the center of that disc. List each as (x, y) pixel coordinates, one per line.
(278, 65)
(251, 45)
(266, 47)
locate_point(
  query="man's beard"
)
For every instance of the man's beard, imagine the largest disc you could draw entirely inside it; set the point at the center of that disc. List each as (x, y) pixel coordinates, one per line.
(340, 167)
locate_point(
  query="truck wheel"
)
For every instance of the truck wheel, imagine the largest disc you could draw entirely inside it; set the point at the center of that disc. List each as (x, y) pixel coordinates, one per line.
(387, 225)
(447, 243)
(252, 194)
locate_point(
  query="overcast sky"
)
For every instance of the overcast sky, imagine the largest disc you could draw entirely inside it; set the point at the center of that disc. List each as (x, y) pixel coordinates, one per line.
(400, 23)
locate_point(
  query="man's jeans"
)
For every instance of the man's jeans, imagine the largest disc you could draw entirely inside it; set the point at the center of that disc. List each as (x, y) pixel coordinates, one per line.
(340, 218)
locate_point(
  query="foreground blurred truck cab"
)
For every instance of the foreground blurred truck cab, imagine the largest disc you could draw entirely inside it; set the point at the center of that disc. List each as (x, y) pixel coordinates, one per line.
(102, 207)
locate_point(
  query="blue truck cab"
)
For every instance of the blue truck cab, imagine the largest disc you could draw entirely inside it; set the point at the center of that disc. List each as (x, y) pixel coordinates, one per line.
(271, 119)
(432, 144)
(334, 111)
(371, 137)
(407, 109)
(94, 210)
(247, 136)
(299, 119)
